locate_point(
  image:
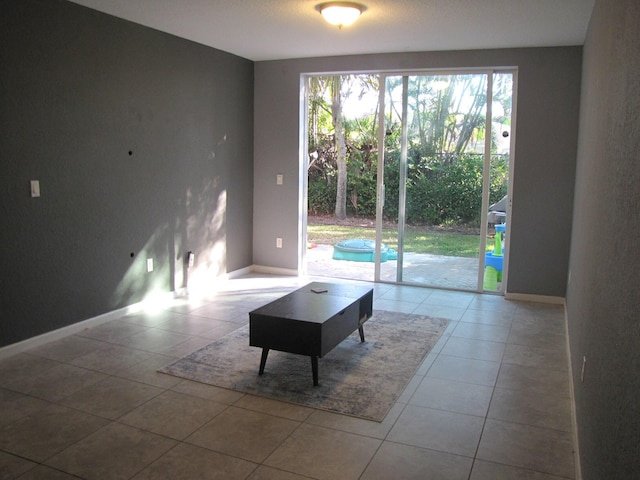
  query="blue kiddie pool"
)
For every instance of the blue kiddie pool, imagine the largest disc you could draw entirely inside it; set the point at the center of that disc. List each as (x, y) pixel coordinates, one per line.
(361, 250)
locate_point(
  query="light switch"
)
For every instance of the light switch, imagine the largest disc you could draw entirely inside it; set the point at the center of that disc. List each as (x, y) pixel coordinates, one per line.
(279, 179)
(35, 188)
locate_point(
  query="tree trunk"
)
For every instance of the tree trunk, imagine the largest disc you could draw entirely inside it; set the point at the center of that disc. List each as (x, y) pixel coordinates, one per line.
(341, 150)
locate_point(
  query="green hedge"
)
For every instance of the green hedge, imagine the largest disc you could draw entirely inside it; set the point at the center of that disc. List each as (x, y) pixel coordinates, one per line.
(441, 190)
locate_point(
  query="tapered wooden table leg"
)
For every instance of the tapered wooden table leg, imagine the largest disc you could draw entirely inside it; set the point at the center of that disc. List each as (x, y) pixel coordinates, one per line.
(314, 369)
(263, 360)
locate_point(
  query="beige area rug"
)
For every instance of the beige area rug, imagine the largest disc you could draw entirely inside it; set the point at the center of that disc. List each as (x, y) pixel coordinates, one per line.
(359, 379)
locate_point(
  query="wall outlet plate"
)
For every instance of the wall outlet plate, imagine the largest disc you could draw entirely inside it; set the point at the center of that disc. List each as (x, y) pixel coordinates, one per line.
(35, 188)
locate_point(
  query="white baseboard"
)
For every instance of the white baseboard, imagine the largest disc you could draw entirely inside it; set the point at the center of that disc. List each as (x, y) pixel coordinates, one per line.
(234, 274)
(240, 272)
(574, 417)
(525, 297)
(15, 348)
(274, 270)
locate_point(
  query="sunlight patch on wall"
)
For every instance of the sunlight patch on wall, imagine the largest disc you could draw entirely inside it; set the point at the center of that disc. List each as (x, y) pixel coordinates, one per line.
(207, 230)
(138, 284)
(198, 226)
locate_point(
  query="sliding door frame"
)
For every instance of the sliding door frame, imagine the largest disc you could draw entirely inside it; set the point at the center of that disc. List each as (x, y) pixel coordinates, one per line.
(380, 187)
(489, 72)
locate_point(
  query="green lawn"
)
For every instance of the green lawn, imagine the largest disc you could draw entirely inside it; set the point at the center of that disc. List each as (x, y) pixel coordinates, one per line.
(416, 239)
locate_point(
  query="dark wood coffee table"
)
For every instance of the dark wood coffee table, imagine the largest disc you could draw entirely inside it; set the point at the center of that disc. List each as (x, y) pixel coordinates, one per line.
(309, 323)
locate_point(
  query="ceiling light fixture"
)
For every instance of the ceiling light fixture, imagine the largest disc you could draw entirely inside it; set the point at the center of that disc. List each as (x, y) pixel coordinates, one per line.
(341, 14)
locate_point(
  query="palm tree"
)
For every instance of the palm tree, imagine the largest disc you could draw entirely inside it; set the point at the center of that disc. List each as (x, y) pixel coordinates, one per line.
(341, 147)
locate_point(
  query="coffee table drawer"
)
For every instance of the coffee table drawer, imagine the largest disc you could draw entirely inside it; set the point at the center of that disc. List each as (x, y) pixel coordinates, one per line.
(339, 327)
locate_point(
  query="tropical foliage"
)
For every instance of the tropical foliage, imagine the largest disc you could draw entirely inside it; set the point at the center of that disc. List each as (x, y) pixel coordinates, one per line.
(445, 140)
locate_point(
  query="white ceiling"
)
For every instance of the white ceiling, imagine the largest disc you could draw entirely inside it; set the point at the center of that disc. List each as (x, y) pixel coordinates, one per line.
(280, 29)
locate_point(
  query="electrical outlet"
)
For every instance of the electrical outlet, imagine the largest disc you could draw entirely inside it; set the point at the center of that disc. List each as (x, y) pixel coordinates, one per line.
(278, 242)
(35, 188)
(149, 264)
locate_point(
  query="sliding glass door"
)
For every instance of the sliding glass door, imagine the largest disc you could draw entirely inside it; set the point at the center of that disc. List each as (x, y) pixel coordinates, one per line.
(408, 175)
(443, 163)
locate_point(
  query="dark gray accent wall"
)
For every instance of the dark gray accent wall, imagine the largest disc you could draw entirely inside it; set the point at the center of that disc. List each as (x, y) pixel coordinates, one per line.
(603, 297)
(546, 138)
(142, 143)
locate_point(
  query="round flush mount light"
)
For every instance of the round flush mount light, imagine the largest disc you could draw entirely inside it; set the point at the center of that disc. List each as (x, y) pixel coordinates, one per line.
(341, 14)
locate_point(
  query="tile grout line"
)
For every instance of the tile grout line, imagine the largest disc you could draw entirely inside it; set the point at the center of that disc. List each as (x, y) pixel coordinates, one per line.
(486, 417)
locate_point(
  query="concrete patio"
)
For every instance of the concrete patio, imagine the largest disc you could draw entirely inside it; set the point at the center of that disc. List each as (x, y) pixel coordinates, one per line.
(424, 269)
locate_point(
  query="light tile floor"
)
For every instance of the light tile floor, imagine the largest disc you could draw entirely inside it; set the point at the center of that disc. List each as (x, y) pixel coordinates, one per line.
(491, 401)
